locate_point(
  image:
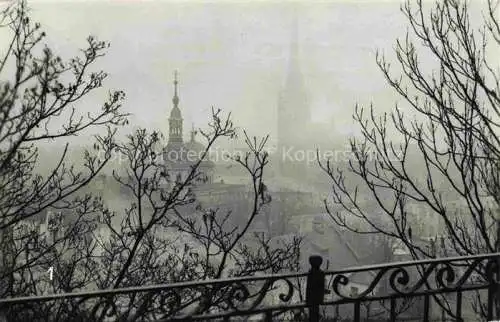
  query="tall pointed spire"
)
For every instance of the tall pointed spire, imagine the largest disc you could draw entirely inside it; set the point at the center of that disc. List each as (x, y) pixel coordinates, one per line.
(294, 41)
(293, 107)
(294, 80)
(175, 99)
(175, 120)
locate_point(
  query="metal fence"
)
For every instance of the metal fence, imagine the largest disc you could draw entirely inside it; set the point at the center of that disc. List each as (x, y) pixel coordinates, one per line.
(425, 290)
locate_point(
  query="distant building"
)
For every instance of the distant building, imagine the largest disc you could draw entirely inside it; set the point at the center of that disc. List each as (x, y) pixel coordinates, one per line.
(181, 156)
(298, 137)
(289, 198)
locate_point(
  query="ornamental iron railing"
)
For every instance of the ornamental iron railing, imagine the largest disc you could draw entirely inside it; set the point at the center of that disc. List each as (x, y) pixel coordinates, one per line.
(425, 290)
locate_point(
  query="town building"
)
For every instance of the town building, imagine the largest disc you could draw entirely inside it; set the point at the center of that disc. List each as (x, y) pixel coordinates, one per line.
(298, 137)
(179, 156)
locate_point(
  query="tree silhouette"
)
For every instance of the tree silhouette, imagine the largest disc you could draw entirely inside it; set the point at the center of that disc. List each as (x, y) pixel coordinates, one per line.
(38, 96)
(439, 149)
(158, 234)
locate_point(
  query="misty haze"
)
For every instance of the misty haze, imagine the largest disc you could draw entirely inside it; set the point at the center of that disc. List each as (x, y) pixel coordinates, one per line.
(250, 161)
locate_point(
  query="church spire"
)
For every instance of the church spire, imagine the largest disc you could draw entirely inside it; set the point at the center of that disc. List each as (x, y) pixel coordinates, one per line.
(175, 99)
(175, 120)
(294, 42)
(293, 106)
(294, 80)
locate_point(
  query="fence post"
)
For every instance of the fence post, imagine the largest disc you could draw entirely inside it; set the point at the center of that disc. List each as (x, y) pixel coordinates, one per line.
(315, 288)
(497, 280)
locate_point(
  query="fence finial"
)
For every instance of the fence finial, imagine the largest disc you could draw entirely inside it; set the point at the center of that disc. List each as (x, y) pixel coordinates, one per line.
(315, 289)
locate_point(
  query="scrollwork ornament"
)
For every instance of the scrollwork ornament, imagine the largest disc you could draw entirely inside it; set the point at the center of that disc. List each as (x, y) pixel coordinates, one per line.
(399, 280)
(239, 293)
(372, 285)
(106, 307)
(286, 296)
(445, 276)
(339, 281)
(468, 273)
(242, 294)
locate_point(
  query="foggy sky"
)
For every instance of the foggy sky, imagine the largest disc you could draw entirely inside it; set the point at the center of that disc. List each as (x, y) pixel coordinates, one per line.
(231, 55)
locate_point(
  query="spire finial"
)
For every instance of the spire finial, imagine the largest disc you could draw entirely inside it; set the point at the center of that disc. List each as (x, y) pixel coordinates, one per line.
(175, 100)
(193, 132)
(293, 58)
(295, 34)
